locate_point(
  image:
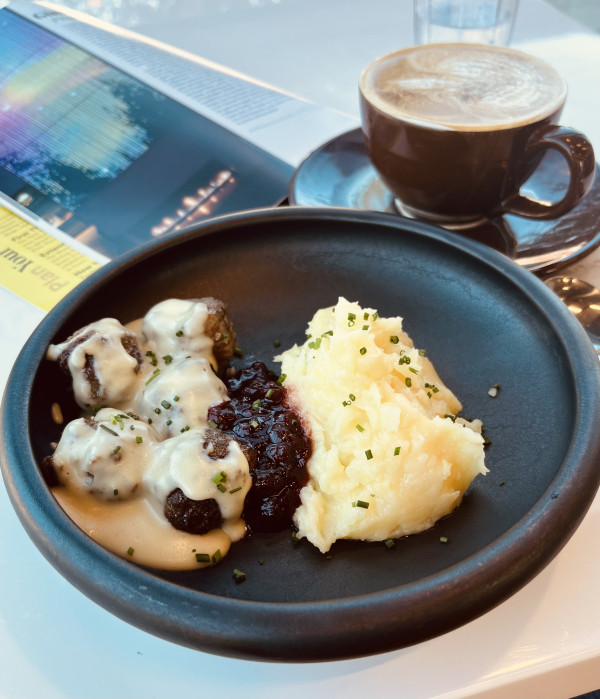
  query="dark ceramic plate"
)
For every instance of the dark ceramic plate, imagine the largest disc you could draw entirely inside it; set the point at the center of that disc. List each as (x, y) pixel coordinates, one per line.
(483, 320)
(339, 173)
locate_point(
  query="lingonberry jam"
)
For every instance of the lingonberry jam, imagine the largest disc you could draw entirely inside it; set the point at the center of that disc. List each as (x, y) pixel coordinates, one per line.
(274, 441)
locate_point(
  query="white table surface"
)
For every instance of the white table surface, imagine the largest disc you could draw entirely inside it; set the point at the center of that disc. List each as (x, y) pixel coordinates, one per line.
(543, 642)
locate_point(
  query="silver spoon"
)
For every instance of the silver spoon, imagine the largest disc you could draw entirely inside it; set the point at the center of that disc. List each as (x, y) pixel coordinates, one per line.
(583, 300)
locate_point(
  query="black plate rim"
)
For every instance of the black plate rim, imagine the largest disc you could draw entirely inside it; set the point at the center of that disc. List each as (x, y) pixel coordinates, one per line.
(362, 631)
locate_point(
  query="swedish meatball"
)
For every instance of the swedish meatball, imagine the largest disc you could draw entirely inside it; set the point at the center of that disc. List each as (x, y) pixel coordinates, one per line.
(104, 361)
(198, 328)
(105, 455)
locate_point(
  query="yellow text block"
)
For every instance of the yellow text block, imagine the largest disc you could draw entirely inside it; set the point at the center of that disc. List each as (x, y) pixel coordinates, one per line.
(36, 266)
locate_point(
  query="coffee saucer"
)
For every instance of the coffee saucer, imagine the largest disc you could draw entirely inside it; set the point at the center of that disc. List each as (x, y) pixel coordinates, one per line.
(339, 173)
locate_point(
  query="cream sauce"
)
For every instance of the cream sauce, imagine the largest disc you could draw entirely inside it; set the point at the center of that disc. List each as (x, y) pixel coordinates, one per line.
(135, 531)
(117, 470)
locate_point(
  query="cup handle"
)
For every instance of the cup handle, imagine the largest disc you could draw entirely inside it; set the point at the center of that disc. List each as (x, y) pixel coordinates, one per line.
(579, 154)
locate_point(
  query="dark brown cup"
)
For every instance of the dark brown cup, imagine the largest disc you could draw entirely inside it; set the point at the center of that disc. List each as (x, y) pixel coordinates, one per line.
(458, 175)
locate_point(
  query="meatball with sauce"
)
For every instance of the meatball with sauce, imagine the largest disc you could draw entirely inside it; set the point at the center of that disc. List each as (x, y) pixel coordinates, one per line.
(104, 360)
(177, 397)
(105, 455)
(202, 477)
(200, 328)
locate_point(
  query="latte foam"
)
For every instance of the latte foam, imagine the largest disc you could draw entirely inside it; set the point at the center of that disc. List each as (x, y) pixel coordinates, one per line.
(464, 86)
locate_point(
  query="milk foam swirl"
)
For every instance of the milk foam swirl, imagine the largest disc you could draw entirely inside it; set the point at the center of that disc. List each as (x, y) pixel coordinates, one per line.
(464, 86)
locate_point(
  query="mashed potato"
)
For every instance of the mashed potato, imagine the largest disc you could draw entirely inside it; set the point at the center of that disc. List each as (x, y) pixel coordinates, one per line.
(389, 456)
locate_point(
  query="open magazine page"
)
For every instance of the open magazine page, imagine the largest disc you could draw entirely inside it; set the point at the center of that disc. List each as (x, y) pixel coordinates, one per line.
(106, 158)
(115, 141)
(110, 140)
(282, 124)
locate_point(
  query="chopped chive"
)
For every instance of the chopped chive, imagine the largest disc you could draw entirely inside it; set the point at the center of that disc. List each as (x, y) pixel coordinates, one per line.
(365, 316)
(117, 449)
(257, 403)
(130, 551)
(351, 396)
(203, 557)
(360, 428)
(281, 379)
(394, 339)
(151, 354)
(295, 538)
(269, 393)
(360, 503)
(158, 411)
(107, 429)
(221, 488)
(235, 490)
(414, 371)
(443, 539)
(169, 422)
(167, 359)
(363, 350)
(212, 424)
(155, 373)
(116, 491)
(219, 477)
(179, 333)
(369, 454)
(396, 451)
(176, 398)
(408, 381)
(422, 352)
(149, 420)
(138, 439)
(165, 404)
(238, 352)
(238, 575)
(315, 344)
(216, 557)
(365, 327)
(277, 343)
(390, 543)
(254, 423)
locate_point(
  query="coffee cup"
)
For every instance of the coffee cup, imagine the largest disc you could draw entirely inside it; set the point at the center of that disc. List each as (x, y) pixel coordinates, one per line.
(455, 130)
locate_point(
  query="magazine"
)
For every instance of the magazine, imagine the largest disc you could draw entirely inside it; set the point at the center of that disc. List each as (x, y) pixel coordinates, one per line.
(111, 139)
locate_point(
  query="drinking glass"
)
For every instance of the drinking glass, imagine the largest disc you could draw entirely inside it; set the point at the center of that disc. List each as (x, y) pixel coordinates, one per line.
(479, 21)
